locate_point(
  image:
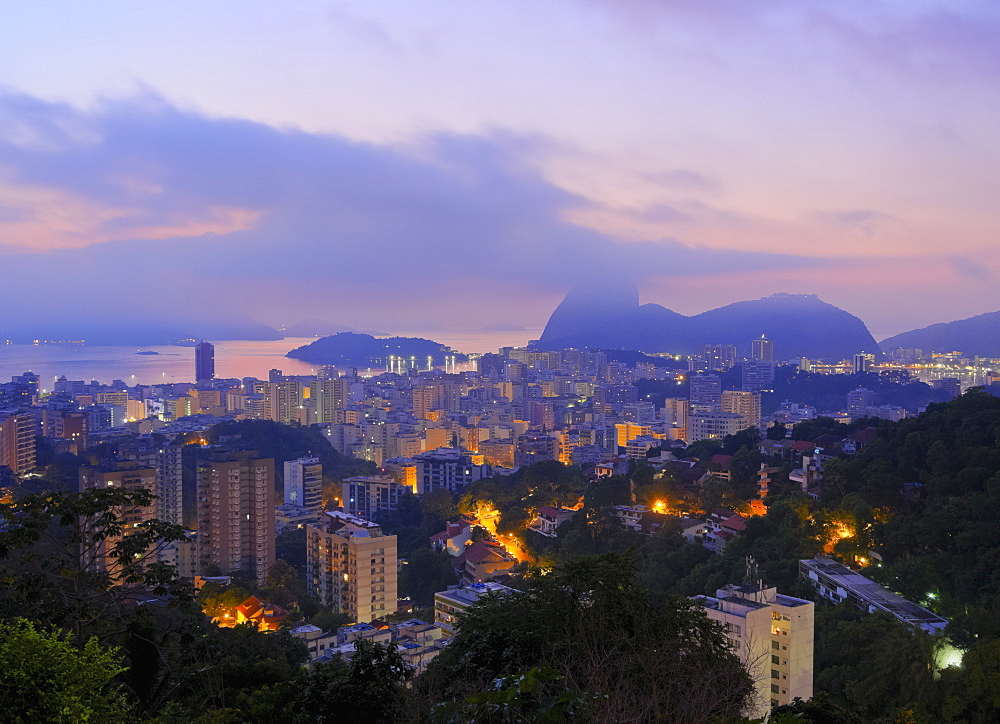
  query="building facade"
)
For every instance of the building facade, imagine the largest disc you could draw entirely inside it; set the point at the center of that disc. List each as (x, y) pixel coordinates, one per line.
(351, 565)
(17, 442)
(204, 362)
(448, 468)
(127, 475)
(236, 512)
(304, 483)
(367, 496)
(773, 636)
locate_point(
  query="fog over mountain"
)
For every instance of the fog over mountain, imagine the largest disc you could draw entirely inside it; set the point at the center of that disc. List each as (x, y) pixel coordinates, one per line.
(801, 325)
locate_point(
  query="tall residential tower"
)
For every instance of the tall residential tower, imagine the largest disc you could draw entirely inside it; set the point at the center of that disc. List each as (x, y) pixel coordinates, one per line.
(204, 362)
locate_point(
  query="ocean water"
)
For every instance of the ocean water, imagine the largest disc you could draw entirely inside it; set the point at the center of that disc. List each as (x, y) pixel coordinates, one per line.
(234, 358)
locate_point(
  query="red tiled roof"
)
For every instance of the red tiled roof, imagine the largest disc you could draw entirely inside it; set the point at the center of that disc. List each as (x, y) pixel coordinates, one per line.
(863, 436)
(723, 461)
(253, 607)
(737, 522)
(482, 551)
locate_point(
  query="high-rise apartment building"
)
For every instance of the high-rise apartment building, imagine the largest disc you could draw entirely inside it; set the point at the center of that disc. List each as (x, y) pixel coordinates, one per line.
(367, 496)
(757, 375)
(705, 392)
(714, 425)
(166, 459)
(762, 349)
(448, 468)
(328, 396)
(204, 362)
(675, 417)
(860, 400)
(625, 431)
(534, 446)
(17, 441)
(773, 636)
(282, 401)
(351, 565)
(236, 512)
(719, 356)
(743, 403)
(304, 483)
(128, 475)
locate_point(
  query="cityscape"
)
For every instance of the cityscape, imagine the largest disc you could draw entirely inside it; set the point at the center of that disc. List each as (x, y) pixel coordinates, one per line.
(513, 455)
(500, 363)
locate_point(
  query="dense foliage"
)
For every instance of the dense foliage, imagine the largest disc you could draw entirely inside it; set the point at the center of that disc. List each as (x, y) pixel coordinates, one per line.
(622, 657)
(597, 631)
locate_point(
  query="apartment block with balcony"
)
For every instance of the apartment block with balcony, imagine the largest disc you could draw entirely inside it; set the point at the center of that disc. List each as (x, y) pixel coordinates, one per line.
(236, 528)
(352, 565)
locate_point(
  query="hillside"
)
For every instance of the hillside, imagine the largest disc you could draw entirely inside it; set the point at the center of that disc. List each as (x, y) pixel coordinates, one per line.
(364, 350)
(975, 336)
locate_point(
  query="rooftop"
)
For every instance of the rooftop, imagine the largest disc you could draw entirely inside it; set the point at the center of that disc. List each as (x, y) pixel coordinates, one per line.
(873, 594)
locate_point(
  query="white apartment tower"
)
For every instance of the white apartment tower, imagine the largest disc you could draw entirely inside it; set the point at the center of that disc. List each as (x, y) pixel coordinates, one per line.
(773, 636)
(304, 483)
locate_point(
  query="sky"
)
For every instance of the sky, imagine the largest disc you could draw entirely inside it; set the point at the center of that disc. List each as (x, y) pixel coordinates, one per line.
(455, 165)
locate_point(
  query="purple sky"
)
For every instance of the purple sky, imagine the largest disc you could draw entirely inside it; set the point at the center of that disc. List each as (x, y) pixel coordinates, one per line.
(462, 164)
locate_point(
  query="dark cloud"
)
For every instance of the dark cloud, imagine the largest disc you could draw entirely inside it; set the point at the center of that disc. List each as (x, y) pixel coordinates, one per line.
(362, 229)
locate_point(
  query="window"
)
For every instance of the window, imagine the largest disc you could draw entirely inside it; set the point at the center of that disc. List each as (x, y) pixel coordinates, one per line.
(774, 688)
(774, 660)
(774, 645)
(774, 674)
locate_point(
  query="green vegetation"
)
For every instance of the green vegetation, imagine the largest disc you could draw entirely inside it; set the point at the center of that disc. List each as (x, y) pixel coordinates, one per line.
(616, 656)
(600, 629)
(46, 678)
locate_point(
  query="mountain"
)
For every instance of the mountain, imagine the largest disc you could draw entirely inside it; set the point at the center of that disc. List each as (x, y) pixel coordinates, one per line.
(364, 350)
(129, 330)
(801, 325)
(979, 335)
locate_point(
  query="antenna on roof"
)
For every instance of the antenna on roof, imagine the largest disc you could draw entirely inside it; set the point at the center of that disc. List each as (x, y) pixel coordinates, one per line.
(752, 576)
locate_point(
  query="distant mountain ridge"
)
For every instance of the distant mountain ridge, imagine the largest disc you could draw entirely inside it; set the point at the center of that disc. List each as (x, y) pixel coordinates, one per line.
(974, 336)
(801, 325)
(127, 330)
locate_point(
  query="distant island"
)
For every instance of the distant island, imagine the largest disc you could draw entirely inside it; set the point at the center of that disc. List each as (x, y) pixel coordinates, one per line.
(363, 350)
(148, 351)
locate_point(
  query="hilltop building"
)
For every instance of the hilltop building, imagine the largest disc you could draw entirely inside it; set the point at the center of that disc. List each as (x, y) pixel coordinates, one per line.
(836, 582)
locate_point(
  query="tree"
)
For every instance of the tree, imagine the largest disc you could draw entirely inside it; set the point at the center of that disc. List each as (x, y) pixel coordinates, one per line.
(371, 689)
(71, 560)
(777, 431)
(46, 678)
(588, 622)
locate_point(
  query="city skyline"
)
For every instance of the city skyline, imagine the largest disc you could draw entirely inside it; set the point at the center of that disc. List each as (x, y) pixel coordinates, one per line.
(487, 154)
